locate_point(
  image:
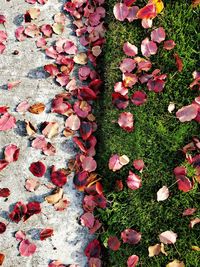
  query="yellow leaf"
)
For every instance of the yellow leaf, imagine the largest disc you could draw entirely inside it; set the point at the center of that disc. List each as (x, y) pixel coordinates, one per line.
(176, 263)
(159, 5)
(195, 248)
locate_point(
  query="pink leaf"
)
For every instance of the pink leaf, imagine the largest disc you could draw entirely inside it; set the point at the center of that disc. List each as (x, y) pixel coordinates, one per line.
(87, 219)
(125, 121)
(132, 15)
(120, 11)
(116, 162)
(130, 236)
(70, 47)
(2, 19)
(89, 164)
(147, 23)
(158, 35)
(184, 184)
(73, 122)
(133, 181)
(169, 45)
(41, 43)
(187, 113)
(163, 193)
(23, 106)
(46, 29)
(93, 262)
(130, 49)
(3, 164)
(129, 79)
(45, 233)
(51, 69)
(2, 48)
(7, 122)
(119, 88)
(31, 184)
(138, 98)
(168, 237)
(19, 34)
(138, 164)
(20, 235)
(148, 48)
(132, 261)
(39, 142)
(3, 36)
(114, 243)
(11, 153)
(179, 62)
(26, 248)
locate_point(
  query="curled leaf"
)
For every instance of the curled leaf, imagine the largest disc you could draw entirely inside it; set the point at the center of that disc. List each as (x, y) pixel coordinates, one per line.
(55, 197)
(168, 237)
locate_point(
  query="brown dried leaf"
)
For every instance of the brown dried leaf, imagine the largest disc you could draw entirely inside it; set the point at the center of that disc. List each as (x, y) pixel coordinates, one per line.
(55, 197)
(37, 108)
(81, 59)
(30, 129)
(154, 250)
(195, 248)
(195, 3)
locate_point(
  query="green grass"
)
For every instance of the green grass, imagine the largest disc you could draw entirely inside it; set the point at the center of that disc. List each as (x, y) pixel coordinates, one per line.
(157, 139)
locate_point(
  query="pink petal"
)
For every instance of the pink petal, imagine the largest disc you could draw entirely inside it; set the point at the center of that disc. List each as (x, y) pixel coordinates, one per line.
(138, 164)
(32, 30)
(39, 142)
(23, 106)
(179, 62)
(11, 153)
(129, 79)
(119, 88)
(163, 193)
(70, 47)
(147, 12)
(114, 163)
(113, 243)
(127, 65)
(26, 248)
(2, 48)
(132, 261)
(87, 219)
(89, 164)
(130, 236)
(11, 85)
(138, 98)
(19, 34)
(7, 122)
(169, 45)
(31, 184)
(133, 181)
(20, 235)
(147, 23)
(46, 29)
(73, 122)
(3, 164)
(3, 36)
(168, 237)
(130, 49)
(132, 15)
(187, 113)
(148, 48)
(41, 43)
(120, 11)
(189, 212)
(158, 35)
(125, 121)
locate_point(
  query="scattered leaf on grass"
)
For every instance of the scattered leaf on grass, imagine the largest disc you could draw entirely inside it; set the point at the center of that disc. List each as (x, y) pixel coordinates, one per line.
(179, 62)
(130, 236)
(176, 263)
(125, 121)
(130, 49)
(163, 193)
(193, 222)
(189, 212)
(120, 11)
(113, 243)
(168, 237)
(132, 261)
(133, 181)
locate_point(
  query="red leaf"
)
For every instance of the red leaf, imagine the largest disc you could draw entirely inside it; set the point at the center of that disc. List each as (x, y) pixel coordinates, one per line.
(184, 184)
(2, 19)
(82, 108)
(130, 49)
(3, 164)
(133, 181)
(26, 248)
(45, 233)
(93, 249)
(138, 98)
(86, 130)
(169, 45)
(51, 69)
(2, 227)
(130, 236)
(120, 11)
(7, 122)
(114, 243)
(179, 62)
(157, 85)
(4, 192)
(58, 177)
(120, 101)
(148, 48)
(125, 121)
(158, 35)
(3, 36)
(11, 153)
(132, 261)
(147, 12)
(20, 235)
(38, 168)
(18, 212)
(19, 34)
(2, 48)
(32, 208)
(138, 164)
(87, 219)
(187, 113)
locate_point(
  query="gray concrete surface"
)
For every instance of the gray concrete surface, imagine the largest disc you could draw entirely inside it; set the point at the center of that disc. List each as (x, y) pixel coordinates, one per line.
(69, 238)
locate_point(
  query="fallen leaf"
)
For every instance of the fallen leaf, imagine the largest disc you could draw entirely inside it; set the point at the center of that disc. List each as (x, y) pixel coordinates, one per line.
(93, 262)
(34, 12)
(163, 193)
(176, 263)
(87, 219)
(45, 233)
(148, 47)
(132, 261)
(30, 129)
(11, 85)
(138, 164)
(2, 258)
(93, 249)
(189, 212)
(37, 168)
(7, 122)
(193, 222)
(81, 58)
(55, 197)
(37, 108)
(169, 45)
(154, 250)
(138, 98)
(195, 3)
(73, 122)
(133, 181)
(58, 28)
(187, 113)
(20, 235)
(26, 248)
(171, 107)
(62, 204)
(158, 35)
(120, 11)
(4, 192)
(125, 121)
(147, 12)
(51, 129)
(32, 184)
(114, 243)
(159, 5)
(11, 153)
(195, 248)
(130, 49)
(168, 237)
(130, 236)
(89, 164)
(58, 177)
(179, 62)
(2, 227)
